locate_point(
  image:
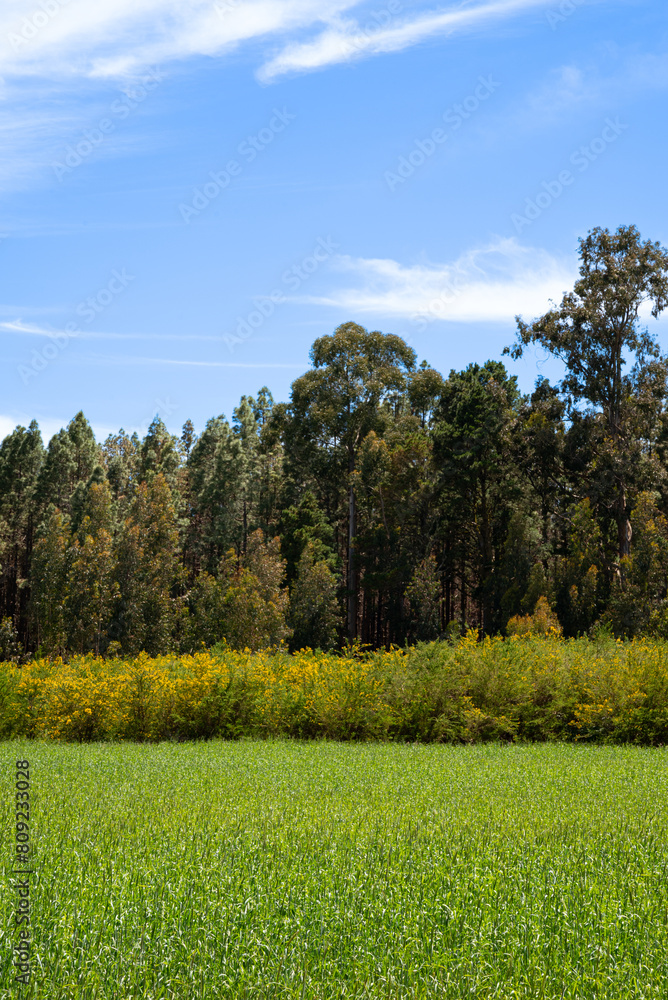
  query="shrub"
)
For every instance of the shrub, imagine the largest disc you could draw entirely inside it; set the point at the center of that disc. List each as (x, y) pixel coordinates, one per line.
(526, 687)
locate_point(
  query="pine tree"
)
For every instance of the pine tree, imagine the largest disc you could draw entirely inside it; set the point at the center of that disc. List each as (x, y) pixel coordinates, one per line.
(147, 571)
(91, 588)
(71, 458)
(215, 471)
(21, 457)
(159, 454)
(49, 572)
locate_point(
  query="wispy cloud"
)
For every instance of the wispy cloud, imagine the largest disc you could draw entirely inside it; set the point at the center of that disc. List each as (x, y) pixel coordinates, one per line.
(346, 41)
(571, 89)
(185, 363)
(20, 328)
(112, 38)
(492, 284)
(57, 57)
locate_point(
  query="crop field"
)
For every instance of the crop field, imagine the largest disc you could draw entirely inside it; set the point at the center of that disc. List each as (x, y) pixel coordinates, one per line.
(285, 869)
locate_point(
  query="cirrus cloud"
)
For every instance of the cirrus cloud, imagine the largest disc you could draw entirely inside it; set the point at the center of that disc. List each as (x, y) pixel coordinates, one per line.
(112, 38)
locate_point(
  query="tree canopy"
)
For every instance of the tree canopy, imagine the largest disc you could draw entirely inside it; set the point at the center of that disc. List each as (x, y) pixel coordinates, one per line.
(383, 502)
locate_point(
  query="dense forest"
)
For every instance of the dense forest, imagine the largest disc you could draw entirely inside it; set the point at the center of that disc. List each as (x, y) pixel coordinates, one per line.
(384, 503)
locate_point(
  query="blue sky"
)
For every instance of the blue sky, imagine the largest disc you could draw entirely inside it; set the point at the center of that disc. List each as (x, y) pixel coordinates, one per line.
(191, 191)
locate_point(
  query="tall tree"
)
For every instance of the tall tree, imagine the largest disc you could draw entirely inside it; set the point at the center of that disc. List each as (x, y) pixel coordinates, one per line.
(159, 453)
(337, 403)
(120, 458)
(216, 468)
(147, 571)
(314, 609)
(595, 332)
(50, 564)
(21, 457)
(91, 589)
(71, 459)
(473, 455)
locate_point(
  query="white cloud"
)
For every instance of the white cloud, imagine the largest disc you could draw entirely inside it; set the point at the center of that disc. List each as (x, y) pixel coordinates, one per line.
(114, 38)
(120, 37)
(20, 328)
(490, 284)
(186, 363)
(566, 89)
(570, 89)
(346, 41)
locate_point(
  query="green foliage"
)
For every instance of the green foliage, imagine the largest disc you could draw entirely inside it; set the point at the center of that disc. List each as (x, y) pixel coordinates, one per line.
(159, 454)
(49, 581)
(441, 504)
(91, 589)
(315, 616)
(580, 574)
(255, 605)
(10, 649)
(245, 606)
(71, 458)
(424, 597)
(472, 447)
(304, 525)
(147, 570)
(595, 332)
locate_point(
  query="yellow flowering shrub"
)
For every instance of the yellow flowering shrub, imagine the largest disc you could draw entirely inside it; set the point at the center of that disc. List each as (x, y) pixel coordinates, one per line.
(527, 686)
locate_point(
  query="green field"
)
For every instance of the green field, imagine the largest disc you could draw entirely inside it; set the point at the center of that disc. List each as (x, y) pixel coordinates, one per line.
(326, 870)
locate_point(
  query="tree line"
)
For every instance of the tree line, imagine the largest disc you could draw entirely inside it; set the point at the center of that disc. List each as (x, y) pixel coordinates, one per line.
(383, 503)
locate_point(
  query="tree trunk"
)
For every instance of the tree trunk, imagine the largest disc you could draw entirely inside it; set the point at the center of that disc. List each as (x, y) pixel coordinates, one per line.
(624, 533)
(485, 603)
(352, 568)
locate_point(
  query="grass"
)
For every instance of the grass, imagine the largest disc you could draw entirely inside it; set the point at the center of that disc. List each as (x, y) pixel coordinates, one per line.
(278, 869)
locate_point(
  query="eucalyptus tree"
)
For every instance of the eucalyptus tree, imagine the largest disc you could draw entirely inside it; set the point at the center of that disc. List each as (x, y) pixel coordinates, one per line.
(473, 455)
(596, 332)
(338, 402)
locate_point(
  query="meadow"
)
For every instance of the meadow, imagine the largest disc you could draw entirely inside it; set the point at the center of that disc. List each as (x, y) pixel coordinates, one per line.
(315, 869)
